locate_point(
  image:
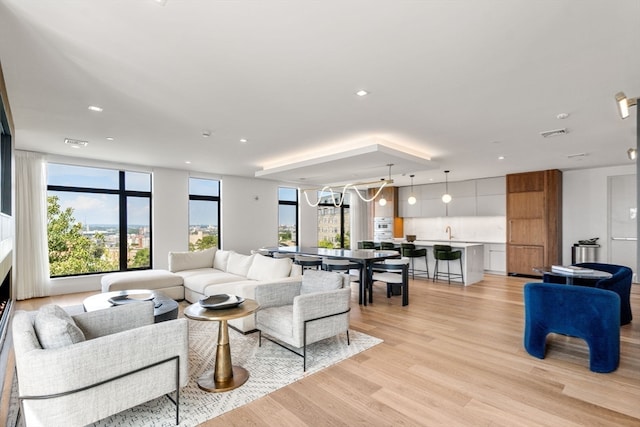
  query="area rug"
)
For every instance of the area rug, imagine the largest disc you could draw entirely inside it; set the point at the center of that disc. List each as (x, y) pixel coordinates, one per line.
(270, 367)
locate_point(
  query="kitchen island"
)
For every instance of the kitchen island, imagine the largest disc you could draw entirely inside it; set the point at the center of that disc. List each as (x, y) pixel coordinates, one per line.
(472, 258)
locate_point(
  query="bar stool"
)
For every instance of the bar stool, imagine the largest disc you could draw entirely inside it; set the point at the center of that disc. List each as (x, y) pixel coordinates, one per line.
(444, 253)
(308, 262)
(409, 251)
(387, 246)
(393, 272)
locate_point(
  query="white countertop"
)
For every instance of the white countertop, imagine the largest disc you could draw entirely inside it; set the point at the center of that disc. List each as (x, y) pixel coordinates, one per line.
(452, 243)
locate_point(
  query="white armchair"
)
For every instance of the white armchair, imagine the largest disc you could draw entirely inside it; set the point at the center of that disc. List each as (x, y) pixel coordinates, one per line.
(301, 313)
(116, 358)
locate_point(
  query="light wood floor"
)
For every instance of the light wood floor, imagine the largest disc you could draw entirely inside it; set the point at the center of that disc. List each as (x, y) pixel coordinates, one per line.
(453, 357)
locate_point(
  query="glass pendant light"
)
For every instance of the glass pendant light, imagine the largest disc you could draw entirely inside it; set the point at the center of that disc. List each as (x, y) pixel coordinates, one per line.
(383, 200)
(412, 199)
(446, 197)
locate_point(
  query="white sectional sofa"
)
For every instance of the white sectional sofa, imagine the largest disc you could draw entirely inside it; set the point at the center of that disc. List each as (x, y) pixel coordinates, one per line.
(195, 275)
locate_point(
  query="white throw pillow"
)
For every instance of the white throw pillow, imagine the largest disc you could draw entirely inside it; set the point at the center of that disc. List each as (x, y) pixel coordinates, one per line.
(221, 259)
(239, 264)
(267, 268)
(320, 281)
(179, 261)
(55, 328)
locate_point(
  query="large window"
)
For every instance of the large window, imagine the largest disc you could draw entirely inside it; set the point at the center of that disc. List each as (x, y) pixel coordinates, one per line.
(333, 221)
(287, 216)
(204, 214)
(91, 214)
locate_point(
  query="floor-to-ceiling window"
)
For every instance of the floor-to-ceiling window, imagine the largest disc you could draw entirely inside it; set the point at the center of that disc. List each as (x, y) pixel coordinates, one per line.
(287, 216)
(333, 221)
(204, 214)
(92, 214)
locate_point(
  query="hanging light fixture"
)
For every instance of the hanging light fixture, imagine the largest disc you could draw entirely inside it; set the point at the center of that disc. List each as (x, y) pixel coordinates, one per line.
(337, 196)
(412, 199)
(446, 197)
(382, 200)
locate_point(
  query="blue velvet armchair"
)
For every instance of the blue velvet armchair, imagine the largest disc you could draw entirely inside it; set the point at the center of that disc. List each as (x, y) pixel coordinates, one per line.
(619, 283)
(588, 313)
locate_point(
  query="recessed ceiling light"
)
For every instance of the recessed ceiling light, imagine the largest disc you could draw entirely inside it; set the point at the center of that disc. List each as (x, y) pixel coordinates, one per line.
(76, 143)
(362, 93)
(206, 133)
(95, 108)
(562, 116)
(501, 158)
(188, 162)
(110, 138)
(243, 140)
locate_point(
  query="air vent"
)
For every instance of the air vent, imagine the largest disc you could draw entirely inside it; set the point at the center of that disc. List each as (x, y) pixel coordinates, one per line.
(76, 143)
(555, 132)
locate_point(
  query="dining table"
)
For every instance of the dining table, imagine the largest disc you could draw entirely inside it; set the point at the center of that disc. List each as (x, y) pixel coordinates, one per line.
(365, 257)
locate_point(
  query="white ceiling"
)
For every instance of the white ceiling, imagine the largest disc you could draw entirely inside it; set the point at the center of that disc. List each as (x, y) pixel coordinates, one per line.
(459, 82)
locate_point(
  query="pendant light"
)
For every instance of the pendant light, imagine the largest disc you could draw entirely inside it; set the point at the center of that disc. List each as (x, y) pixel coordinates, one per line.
(383, 200)
(446, 197)
(412, 199)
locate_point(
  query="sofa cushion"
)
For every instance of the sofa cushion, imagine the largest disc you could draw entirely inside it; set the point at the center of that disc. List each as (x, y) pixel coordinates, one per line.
(221, 259)
(320, 281)
(199, 280)
(55, 328)
(179, 261)
(267, 268)
(239, 264)
(143, 279)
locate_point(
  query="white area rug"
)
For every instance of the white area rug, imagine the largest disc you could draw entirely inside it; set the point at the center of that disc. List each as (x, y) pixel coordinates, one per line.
(270, 367)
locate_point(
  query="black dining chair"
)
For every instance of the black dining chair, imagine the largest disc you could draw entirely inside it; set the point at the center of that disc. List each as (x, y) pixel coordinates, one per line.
(393, 272)
(366, 244)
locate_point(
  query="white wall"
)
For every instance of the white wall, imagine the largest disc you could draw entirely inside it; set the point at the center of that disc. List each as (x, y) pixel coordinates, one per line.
(308, 222)
(585, 207)
(170, 219)
(249, 214)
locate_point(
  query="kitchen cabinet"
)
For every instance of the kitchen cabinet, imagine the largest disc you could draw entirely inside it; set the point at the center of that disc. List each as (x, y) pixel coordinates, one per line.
(491, 199)
(495, 258)
(534, 220)
(479, 197)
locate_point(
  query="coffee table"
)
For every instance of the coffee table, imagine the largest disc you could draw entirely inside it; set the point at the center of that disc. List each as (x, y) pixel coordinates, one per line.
(165, 308)
(224, 376)
(568, 277)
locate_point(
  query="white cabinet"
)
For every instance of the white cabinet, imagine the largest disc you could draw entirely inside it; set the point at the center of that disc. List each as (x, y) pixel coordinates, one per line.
(495, 257)
(479, 197)
(491, 197)
(406, 210)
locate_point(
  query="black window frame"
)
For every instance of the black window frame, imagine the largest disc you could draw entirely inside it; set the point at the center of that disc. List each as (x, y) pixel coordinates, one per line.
(295, 203)
(122, 194)
(198, 197)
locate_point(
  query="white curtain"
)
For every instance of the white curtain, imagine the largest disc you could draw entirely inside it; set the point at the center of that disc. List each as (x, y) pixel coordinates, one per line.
(359, 219)
(32, 255)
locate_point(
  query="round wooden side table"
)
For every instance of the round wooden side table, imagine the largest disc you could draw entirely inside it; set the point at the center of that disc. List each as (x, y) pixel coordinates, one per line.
(224, 376)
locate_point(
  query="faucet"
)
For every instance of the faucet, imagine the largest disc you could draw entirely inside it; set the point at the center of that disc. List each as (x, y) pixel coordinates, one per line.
(448, 230)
